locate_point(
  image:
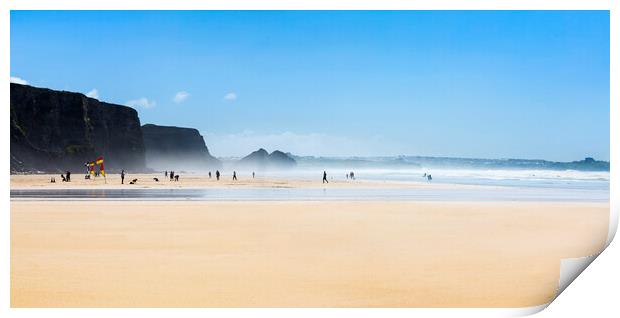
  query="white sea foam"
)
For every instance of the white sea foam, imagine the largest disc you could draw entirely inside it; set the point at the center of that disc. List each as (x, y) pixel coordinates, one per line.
(573, 179)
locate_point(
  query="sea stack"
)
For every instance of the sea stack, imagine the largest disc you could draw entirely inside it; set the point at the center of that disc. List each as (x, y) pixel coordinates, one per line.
(177, 148)
(261, 159)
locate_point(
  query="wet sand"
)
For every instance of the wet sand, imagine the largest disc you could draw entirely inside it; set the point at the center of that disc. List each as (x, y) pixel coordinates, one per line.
(296, 254)
(146, 181)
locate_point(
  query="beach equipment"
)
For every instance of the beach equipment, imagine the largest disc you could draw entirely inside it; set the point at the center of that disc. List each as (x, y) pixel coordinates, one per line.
(99, 161)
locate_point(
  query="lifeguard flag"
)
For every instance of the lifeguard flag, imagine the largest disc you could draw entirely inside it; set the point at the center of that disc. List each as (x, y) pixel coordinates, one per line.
(99, 161)
(92, 167)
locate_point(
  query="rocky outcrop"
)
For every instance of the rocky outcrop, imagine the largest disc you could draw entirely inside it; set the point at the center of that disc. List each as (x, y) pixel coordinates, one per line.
(177, 148)
(279, 158)
(261, 159)
(55, 131)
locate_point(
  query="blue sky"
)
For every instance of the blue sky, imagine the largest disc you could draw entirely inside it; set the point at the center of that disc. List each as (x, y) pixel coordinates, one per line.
(470, 84)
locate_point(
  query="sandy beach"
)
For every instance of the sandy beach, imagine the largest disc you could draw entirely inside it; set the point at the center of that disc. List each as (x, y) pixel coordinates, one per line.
(296, 254)
(146, 181)
(364, 158)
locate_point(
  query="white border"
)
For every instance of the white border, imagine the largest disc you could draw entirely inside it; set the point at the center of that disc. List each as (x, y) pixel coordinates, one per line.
(311, 5)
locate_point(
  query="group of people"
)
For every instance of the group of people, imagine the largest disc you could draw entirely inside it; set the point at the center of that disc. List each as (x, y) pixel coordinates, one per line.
(428, 177)
(234, 176)
(173, 177)
(96, 173)
(217, 174)
(350, 175)
(65, 177)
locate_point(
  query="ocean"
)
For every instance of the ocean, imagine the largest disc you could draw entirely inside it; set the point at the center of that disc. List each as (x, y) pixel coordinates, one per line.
(586, 174)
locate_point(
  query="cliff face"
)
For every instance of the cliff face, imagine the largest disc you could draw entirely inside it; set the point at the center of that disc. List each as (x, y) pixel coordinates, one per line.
(55, 131)
(177, 148)
(261, 159)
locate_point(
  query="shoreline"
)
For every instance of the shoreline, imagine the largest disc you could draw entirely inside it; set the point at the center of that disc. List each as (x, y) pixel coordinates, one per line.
(197, 181)
(202, 188)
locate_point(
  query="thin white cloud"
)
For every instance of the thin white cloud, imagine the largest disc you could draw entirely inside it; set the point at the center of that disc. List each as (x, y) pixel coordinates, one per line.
(142, 102)
(230, 96)
(94, 93)
(17, 80)
(180, 97)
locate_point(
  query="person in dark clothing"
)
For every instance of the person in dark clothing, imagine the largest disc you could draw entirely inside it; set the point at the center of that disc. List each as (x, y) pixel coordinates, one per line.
(171, 175)
(325, 177)
(68, 176)
(209, 174)
(176, 177)
(234, 175)
(429, 178)
(217, 175)
(166, 173)
(122, 176)
(253, 174)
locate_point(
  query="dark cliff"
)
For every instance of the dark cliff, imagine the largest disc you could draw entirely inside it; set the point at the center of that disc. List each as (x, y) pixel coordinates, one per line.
(177, 148)
(55, 131)
(261, 159)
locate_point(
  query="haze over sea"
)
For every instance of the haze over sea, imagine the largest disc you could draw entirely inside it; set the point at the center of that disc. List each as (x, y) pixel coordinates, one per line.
(585, 174)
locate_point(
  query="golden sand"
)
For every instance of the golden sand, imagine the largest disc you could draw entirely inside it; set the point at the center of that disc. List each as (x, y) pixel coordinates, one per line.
(295, 254)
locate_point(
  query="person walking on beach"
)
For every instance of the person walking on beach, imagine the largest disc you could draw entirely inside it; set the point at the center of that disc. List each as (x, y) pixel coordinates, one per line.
(234, 175)
(68, 176)
(209, 174)
(253, 175)
(325, 177)
(171, 175)
(166, 173)
(217, 175)
(122, 176)
(429, 178)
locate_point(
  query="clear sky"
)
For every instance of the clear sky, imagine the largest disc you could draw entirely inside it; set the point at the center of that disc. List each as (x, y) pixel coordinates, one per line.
(470, 84)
